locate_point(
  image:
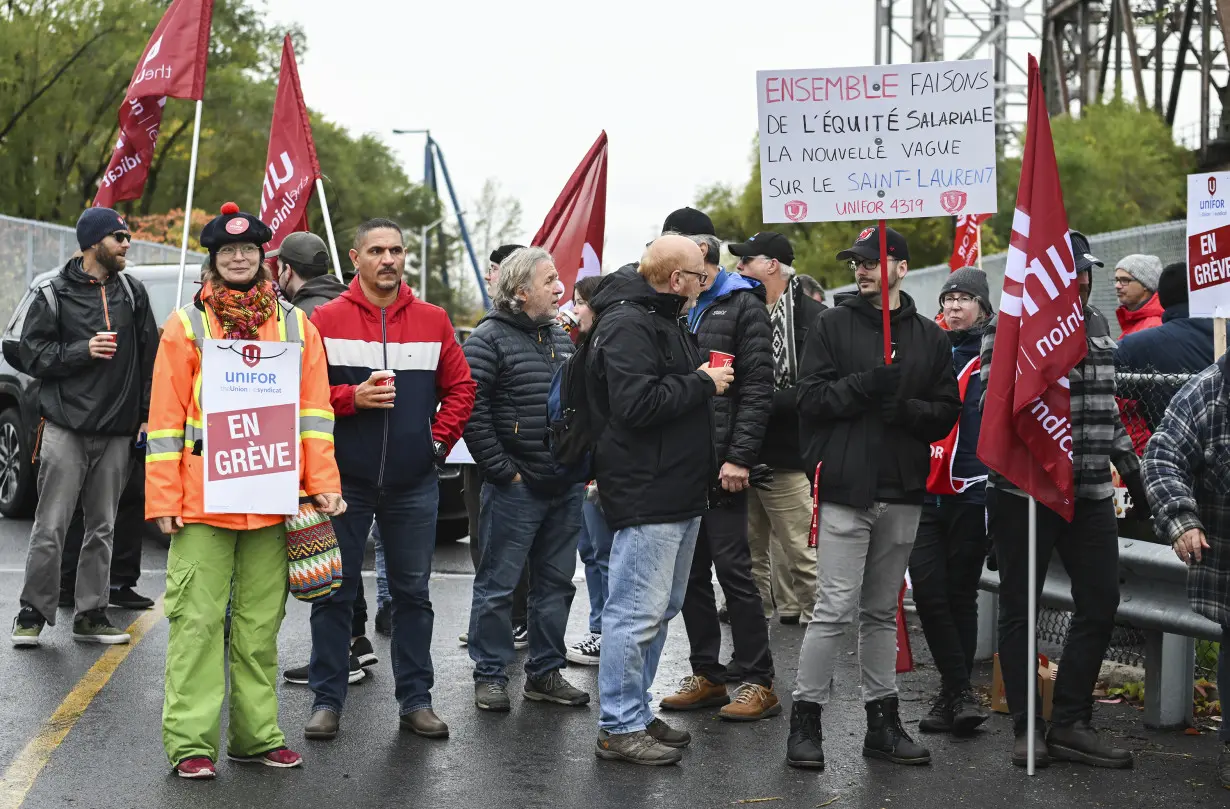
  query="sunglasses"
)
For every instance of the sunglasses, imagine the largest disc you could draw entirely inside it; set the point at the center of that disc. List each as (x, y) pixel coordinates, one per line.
(122, 236)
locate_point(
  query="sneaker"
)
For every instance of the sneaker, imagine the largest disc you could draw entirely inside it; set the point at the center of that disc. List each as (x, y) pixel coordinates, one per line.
(464, 638)
(967, 712)
(521, 637)
(751, 702)
(667, 735)
(384, 621)
(587, 652)
(95, 627)
(27, 627)
(299, 676)
(696, 692)
(283, 758)
(635, 748)
(362, 651)
(939, 718)
(199, 767)
(129, 599)
(554, 688)
(492, 697)
(1080, 743)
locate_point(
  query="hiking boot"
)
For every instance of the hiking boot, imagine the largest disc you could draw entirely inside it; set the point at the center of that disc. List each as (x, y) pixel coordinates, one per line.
(425, 723)
(554, 688)
(1223, 766)
(129, 599)
(27, 627)
(283, 758)
(322, 725)
(1020, 748)
(363, 653)
(1080, 743)
(384, 621)
(805, 745)
(886, 738)
(967, 712)
(299, 676)
(199, 767)
(751, 702)
(587, 652)
(521, 637)
(663, 733)
(939, 718)
(635, 748)
(696, 692)
(492, 697)
(95, 627)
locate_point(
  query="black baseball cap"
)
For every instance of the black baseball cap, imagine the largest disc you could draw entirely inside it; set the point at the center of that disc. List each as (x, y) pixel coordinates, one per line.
(766, 243)
(504, 251)
(689, 222)
(1085, 260)
(303, 251)
(867, 246)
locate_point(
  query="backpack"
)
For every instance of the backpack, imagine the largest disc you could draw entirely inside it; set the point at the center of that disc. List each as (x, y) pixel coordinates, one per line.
(12, 345)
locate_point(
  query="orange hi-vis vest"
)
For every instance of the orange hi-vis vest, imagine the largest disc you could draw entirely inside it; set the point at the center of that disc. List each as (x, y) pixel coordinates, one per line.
(174, 467)
(944, 451)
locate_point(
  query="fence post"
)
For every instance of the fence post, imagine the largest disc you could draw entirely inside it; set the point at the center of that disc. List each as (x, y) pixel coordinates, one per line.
(1170, 672)
(988, 625)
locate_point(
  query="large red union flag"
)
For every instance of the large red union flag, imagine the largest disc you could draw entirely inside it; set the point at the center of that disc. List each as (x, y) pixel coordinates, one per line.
(1026, 419)
(291, 168)
(576, 225)
(172, 65)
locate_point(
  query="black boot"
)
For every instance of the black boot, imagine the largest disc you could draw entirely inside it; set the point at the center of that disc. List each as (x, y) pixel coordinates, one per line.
(939, 718)
(1020, 747)
(805, 747)
(887, 739)
(1080, 743)
(967, 712)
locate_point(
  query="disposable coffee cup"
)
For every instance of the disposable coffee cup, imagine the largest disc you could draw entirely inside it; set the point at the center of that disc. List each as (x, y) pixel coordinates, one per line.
(390, 380)
(720, 359)
(110, 334)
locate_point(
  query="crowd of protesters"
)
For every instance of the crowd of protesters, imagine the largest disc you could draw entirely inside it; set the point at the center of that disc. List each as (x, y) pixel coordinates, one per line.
(748, 434)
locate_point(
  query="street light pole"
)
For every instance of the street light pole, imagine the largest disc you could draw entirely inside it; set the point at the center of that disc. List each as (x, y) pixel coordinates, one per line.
(423, 257)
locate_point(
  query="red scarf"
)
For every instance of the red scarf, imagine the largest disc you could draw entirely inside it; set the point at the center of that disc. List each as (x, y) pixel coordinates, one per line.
(242, 313)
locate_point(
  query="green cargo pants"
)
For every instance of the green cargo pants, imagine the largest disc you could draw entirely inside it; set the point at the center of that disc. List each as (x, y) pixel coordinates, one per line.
(201, 564)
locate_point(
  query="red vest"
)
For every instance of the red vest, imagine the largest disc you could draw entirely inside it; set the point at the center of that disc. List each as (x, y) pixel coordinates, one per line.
(940, 481)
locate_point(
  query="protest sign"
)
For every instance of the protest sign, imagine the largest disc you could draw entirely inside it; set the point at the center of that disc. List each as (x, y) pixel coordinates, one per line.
(885, 142)
(1208, 244)
(250, 412)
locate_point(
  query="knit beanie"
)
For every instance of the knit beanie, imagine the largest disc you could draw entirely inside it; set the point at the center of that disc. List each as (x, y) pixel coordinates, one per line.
(971, 281)
(1172, 285)
(96, 224)
(1145, 269)
(504, 251)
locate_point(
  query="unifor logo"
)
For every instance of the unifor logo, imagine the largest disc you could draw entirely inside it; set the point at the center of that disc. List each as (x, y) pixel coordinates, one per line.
(1212, 186)
(251, 355)
(953, 201)
(796, 210)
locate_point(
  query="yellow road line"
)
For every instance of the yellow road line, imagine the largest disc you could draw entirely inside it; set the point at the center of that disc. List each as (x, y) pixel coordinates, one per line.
(19, 778)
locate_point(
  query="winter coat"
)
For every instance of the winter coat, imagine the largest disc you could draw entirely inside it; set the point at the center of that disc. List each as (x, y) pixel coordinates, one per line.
(840, 419)
(1148, 316)
(734, 320)
(435, 394)
(78, 392)
(655, 458)
(318, 290)
(512, 360)
(1181, 345)
(781, 449)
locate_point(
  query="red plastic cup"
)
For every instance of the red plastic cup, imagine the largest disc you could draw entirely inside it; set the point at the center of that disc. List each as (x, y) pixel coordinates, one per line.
(720, 359)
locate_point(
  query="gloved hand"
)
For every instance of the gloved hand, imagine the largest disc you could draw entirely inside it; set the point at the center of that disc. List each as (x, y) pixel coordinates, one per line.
(440, 451)
(761, 476)
(1140, 502)
(883, 379)
(890, 409)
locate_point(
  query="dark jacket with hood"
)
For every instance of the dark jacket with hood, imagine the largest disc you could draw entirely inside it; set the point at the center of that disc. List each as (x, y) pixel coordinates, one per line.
(654, 460)
(78, 392)
(781, 449)
(966, 347)
(318, 290)
(841, 420)
(512, 360)
(731, 317)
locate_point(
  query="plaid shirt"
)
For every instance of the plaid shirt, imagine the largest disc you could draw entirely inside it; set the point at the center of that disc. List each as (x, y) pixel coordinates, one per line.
(1187, 478)
(1098, 436)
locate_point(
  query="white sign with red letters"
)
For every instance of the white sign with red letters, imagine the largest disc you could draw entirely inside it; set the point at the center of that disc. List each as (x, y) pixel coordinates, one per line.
(1208, 244)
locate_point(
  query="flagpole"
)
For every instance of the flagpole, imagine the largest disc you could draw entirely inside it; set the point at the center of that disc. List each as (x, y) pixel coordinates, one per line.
(884, 303)
(980, 245)
(1031, 634)
(183, 248)
(324, 208)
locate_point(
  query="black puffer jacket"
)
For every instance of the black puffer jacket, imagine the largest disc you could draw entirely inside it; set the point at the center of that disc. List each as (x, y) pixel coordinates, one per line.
(840, 420)
(781, 441)
(512, 360)
(734, 320)
(78, 392)
(655, 459)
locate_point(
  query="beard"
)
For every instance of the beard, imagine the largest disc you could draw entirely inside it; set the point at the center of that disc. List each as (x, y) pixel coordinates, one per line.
(111, 262)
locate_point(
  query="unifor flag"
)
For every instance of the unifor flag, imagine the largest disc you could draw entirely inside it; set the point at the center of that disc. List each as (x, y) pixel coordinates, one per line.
(965, 243)
(1026, 418)
(291, 168)
(576, 225)
(172, 66)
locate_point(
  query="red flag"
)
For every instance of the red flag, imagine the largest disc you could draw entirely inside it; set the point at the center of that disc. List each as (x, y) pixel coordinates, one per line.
(172, 65)
(1026, 420)
(292, 168)
(965, 244)
(576, 226)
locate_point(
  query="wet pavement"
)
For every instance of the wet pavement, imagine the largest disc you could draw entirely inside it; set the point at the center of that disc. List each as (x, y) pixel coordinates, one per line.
(538, 755)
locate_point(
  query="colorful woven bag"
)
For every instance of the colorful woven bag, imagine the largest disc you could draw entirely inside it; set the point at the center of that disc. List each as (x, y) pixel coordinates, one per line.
(315, 559)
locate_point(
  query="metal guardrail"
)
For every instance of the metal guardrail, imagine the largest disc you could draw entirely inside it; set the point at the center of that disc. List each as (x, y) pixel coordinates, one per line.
(1152, 598)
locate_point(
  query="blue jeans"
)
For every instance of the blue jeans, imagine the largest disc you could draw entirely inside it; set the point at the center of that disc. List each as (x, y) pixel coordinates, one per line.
(383, 598)
(407, 520)
(648, 581)
(519, 525)
(595, 550)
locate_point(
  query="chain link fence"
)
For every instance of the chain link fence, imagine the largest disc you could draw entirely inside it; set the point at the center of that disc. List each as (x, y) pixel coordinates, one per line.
(28, 248)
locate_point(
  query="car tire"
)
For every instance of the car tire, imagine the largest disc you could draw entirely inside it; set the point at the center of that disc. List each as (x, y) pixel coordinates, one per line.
(18, 492)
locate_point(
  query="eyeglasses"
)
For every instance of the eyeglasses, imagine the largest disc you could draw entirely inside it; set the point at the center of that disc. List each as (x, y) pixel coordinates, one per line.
(868, 264)
(1123, 280)
(957, 300)
(231, 250)
(745, 260)
(122, 236)
(703, 276)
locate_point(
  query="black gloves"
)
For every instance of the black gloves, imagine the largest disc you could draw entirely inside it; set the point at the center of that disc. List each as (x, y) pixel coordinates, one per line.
(882, 380)
(761, 476)
(1140, 502)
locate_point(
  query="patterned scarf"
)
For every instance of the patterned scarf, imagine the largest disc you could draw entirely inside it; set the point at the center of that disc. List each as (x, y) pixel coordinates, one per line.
(785, 363)
(242, 313)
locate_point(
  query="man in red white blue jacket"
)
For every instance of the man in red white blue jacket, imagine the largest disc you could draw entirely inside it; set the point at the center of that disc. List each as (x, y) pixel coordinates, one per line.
(401, 394)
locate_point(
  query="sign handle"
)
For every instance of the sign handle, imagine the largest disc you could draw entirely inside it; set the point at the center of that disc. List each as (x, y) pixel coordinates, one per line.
(1219, 337)
(888, 337)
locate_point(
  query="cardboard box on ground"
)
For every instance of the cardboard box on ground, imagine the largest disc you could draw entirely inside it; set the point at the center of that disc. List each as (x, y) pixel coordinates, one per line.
(1046, 686)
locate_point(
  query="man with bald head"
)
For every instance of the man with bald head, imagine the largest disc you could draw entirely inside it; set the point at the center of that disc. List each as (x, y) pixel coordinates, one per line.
(653, 462)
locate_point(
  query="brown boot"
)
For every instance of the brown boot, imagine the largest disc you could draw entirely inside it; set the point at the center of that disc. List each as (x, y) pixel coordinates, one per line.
(696, 692)
(751, 702)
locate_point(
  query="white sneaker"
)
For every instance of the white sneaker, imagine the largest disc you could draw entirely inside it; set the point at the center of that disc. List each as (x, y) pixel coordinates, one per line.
(587, 652)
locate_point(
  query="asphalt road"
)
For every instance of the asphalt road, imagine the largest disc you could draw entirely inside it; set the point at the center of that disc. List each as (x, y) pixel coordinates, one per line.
(538, 755)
